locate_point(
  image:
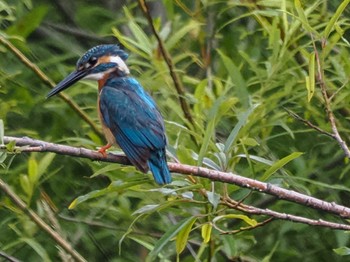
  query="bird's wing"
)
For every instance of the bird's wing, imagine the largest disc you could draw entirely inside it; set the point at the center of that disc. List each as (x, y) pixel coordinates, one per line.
(135, 122)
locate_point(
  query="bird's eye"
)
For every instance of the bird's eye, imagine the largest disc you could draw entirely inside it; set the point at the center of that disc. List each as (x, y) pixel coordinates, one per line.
(91, 62)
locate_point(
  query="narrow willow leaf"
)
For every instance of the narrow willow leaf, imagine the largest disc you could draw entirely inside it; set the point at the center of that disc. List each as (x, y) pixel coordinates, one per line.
(182, 236)
(44, 163)
(28, 23)
(167, 237)
(310, 80)
(25, 184)
(206, 232)
(247, 220)
(146, 209)
(335, 18)
(32, 170)
(279, 164)
(213, 198)
(38, 248)
(142, 39)
(248, 141)
(83, 198)
(237, 79)
(105, 170)
(142, 242)
(178, 36)
(208, 135)
(242, 119)
(2, 133)
(257, 159)
(210, 163)
(129, 43)
(302, 16)
(342, 251)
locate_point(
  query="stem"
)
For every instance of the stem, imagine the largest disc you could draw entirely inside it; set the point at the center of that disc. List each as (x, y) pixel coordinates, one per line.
(50, 83)
(53, 234)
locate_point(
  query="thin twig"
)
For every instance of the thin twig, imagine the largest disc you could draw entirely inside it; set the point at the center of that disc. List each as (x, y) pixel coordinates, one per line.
(308, 123)
(50, 83)
(331, 118)
(260, 224)
(40, 223)
(231, 178)
(283, 216)
(8, 257)
(176, 79)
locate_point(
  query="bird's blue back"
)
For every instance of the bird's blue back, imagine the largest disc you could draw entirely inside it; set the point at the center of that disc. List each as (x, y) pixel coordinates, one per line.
(133, 118)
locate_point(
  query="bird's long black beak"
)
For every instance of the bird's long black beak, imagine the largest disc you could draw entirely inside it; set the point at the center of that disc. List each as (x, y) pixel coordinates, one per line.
(67, 82)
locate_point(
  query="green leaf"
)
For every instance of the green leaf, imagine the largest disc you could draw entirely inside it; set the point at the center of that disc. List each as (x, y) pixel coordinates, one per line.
(249, 221)
(310, 79)
(167, 237)
(206, 140)
(2, 132)
(105, 170)
(302, 16)
(242, 119)
(38, 248)
(237, 78)
(142, 39)
(334, 18)
(182, 236)
(146, 209)
(178, 36)
(206, 232)
(28, 23)
(213, 198)
(25, 184)
(248, 141)
(90, 195)
(342, 251)
(279, 164)
(44, 163)
(33, 170)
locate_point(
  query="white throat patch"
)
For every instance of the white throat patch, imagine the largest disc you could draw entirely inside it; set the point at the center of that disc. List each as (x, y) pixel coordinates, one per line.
(121, 64)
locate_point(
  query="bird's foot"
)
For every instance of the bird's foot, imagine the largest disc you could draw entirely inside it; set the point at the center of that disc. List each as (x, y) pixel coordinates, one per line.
(103, 149)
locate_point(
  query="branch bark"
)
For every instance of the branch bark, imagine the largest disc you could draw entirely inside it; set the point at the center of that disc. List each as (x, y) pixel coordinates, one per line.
(53, 234)
(177, 82)
(31, 145)
(51, 84)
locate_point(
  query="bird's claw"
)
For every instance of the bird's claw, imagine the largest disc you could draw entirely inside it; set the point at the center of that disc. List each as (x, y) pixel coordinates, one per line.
(103, 150)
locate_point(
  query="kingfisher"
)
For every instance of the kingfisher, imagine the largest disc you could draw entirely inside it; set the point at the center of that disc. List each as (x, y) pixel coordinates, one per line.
(129, 116)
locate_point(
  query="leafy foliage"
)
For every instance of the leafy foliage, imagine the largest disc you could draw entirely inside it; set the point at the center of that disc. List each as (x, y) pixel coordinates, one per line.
(243, 63)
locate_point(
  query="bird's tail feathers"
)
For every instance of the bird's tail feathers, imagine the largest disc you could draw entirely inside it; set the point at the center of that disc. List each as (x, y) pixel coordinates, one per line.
(159, 168)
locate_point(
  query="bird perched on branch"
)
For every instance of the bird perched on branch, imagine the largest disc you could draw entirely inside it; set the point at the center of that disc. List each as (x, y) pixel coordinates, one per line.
(128, 114)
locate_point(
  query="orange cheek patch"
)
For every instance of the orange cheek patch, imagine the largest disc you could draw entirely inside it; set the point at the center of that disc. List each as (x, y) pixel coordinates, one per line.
(104, 59)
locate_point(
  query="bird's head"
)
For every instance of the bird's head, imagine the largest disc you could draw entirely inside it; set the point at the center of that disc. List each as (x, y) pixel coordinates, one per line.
(95, 64)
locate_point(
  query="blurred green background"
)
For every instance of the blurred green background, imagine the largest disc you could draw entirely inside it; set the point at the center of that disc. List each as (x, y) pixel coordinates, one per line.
(242, 64)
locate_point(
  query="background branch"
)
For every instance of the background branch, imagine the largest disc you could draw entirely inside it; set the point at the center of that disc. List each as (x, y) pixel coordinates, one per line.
(331, 117)
(50, 83)
(40, 223)
(176, 79)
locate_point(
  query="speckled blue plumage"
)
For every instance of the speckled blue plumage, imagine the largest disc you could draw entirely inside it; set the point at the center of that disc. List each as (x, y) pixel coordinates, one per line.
(102, 50)
(133, 118)
(129, 115)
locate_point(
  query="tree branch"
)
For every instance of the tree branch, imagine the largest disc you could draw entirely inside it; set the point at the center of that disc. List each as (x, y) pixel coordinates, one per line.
(308, 123)
(283, 216)
(53, 234)
(30, 145)
(50, 83)
(331, 118)
(177, 82)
